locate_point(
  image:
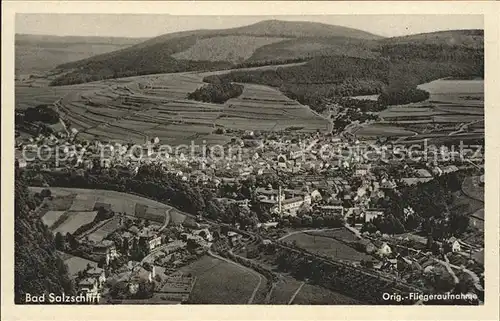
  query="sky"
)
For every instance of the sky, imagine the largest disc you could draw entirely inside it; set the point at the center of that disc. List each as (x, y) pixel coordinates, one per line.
(151, 25)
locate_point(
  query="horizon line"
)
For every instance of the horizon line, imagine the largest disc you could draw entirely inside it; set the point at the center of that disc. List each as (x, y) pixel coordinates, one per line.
(188, 30)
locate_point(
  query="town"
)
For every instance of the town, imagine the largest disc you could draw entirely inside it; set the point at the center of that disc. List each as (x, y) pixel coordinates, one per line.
(278, 185)
(282, 162)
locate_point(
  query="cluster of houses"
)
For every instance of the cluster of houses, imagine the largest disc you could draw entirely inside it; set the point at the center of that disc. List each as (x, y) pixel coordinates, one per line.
(93, 281)
(151, 241)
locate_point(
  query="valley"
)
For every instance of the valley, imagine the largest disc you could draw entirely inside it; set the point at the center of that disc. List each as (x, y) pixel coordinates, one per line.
(323, 202)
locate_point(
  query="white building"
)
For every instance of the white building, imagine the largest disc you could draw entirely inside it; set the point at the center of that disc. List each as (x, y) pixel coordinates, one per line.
(453, 244)
(385, 250)
(371, 214)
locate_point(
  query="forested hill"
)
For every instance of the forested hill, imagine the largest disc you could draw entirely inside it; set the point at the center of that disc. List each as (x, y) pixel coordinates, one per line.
(469, 38)
(394, 72)
(275, 42)
(205, 49)
(38, 267)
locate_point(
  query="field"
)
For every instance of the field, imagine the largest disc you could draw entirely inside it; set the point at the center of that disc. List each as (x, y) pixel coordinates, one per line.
(382, 130)
(74, 200)
(76, 264)
(51, 217)
(311, 294)
(176, 216)
(83, 202)
(264, 108)
(227, 48)
(327, 246)
(284, 290)
(457, 105)
(219, 282)
(101, 233)
(74, 221)
(341, 233)
(473, 188)
(135, 108)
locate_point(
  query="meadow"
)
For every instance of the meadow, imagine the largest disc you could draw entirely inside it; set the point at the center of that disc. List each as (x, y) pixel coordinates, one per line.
(317, 295)
(71, 208)
(76, 264)
(327, 246)
(452, 104)
(284, 289)
(376, 130)
(341, 233)
(220, 282)
(74, 221)
(51, 217)
(102, 232)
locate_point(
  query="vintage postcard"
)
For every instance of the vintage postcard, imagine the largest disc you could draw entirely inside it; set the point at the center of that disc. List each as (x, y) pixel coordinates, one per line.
(178, 156)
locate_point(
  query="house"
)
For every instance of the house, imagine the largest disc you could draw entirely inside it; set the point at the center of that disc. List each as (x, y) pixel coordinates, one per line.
(269, 194)
(282, 161)
(389, 264)
(452, 245)
(292, 205)
(327, 210)
(384, 250)
(151, 238)
(437, 171)
(267, 225)
(362, 170)
(204, 233)
(21, 162)
(296, 152)
(422, 172)
(450, 169)
(316, 196)
(140, 275)
(98, 274)
(267, 242)
(89, 286)
(234, 237)
(107, 249)
(370, 214)
(387, 185)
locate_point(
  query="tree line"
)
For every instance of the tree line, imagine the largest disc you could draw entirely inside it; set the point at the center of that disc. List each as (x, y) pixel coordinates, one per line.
(38, 269)
(217, 93)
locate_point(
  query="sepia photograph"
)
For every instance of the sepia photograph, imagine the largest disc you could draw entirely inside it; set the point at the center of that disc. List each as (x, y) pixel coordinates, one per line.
(326, 160)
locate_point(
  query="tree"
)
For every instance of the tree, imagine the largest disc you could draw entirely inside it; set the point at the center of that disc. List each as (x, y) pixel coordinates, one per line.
(37, 266)
(458, 224)
(368, 227)
(430, 242)
(59, 241)
(285, 222)
(307, 220)
(71, 241)
(147, 266)
(45, 193)
(191, 245)
(214, 210)
(119, 290)
(318, 221)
